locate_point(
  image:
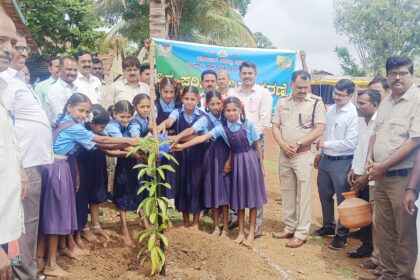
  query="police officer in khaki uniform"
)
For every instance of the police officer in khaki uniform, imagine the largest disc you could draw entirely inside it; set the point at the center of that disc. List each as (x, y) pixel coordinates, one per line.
(391, 155)
(298, 121)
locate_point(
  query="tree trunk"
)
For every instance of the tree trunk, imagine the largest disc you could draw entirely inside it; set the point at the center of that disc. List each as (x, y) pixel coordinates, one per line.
(157, 19)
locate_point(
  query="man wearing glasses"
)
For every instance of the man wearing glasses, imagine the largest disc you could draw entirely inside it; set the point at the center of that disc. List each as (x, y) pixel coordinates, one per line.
(390, 160)
(298, 121)
(334, 161)
(34, 138)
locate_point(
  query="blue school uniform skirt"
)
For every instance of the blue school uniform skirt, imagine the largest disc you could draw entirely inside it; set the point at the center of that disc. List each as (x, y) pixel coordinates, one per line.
(93, 183)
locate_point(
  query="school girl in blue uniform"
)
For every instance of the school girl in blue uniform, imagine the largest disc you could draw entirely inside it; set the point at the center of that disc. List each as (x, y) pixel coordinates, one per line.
(189, 180)
(247, 189)
(166, 102)
(58, 215)
(126, 183)
(138, 127)
(215, 161)
(93, 180)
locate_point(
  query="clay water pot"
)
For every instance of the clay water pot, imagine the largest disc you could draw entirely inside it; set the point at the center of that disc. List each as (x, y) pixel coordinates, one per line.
(354, 212)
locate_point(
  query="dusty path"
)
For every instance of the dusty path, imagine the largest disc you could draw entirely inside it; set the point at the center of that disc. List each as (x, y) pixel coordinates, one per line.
(198, 255)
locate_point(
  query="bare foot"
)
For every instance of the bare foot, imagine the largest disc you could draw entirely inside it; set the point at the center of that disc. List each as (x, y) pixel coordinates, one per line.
(249, 241)
(240, 239)
(216, 231)
(41, 263)
(99, 231)
(224, 233)
(128, 242)
(80, 252)
(194, 227)
(186, 225)
(70, 254)
(89, 235)
(147, 225)
(55, 271)
(63, 263)
(81, 244)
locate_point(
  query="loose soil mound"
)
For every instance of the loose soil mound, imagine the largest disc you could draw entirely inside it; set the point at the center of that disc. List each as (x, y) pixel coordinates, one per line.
(191, 255)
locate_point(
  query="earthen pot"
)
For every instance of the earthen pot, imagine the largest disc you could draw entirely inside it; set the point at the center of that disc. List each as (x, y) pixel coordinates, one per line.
(354, 212)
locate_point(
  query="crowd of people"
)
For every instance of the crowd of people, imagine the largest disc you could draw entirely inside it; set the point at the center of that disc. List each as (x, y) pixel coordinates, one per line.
(58, 140)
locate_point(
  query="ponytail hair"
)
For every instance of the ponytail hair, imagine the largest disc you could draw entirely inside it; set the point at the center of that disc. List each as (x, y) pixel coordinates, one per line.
(238, 104)
(139, 97)
(74, 99)
(122, 106)
(99, 115)
(209, 96)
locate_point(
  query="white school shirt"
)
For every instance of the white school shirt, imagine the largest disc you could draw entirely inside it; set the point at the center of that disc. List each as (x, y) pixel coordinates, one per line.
(90, 87)
(360, 154)
(341, 130)
(258, 105)
(11, 211)
(32, 128)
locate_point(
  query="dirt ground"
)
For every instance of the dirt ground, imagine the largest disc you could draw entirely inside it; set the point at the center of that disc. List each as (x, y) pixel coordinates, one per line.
(198, 255)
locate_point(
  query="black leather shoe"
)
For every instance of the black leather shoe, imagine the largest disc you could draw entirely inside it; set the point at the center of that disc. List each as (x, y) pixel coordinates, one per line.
(338, 243)
(324, 231)
(361, 252)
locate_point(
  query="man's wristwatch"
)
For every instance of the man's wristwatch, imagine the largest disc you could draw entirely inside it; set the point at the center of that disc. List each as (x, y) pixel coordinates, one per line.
(299, 143)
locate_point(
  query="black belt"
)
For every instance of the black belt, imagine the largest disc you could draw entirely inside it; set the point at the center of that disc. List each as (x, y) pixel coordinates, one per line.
(338, 157)
(399, 172)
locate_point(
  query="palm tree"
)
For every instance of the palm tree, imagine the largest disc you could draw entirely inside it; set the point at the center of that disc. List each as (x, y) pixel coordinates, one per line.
(206, 21)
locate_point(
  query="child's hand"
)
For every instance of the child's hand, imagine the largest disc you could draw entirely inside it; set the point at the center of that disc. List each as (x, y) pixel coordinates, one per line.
(227, 167)
(132, 141)
(177, 148)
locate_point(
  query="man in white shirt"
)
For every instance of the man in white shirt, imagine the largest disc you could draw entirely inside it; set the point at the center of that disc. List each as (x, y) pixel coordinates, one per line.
(366, 105)
(129, 86)
(60, 91)
(11, 214)
(42, 88)
(258, 104)
(334, 160)
(87, 83)
(223, 79)
(34, 137)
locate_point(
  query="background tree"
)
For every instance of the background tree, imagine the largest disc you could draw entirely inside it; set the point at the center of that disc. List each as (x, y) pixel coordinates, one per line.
(378, 29)
(347, 64)
(262, 41)
(59, 25)
(208, 21)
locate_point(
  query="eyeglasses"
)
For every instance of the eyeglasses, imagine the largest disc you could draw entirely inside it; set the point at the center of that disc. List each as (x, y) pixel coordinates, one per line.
(395, 74)
(21, 49)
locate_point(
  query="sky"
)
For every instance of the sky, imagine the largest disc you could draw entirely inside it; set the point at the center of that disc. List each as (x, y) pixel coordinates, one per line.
(300, 24)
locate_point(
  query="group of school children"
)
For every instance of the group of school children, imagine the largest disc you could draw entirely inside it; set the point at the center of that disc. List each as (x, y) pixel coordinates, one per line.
(219, 156)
